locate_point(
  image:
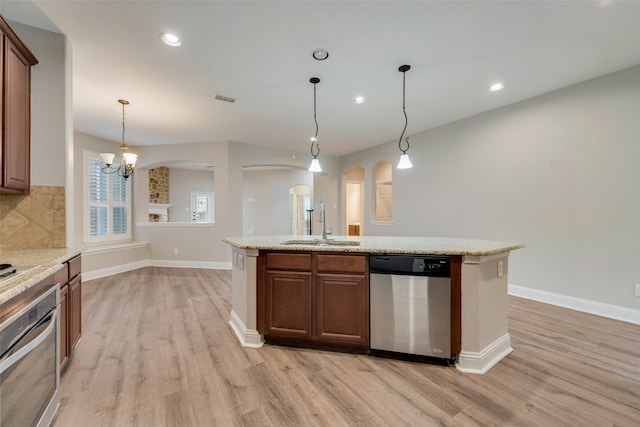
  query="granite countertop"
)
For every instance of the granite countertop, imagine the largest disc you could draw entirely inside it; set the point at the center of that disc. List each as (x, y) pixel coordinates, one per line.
(379, 244)
(33, 266)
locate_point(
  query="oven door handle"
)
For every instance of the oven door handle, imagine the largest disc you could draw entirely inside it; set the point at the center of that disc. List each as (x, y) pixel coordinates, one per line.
(10, 360)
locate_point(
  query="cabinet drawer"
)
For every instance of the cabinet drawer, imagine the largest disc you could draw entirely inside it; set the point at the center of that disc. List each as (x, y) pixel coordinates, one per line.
(342, 263)
(288, 261)
(75, 266)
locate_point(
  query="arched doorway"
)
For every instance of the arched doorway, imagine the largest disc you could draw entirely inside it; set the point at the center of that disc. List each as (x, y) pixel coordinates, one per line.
(300, 208)
(354, 201)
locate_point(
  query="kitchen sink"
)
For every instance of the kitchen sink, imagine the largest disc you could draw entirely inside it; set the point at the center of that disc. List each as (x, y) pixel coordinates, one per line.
(322, 242)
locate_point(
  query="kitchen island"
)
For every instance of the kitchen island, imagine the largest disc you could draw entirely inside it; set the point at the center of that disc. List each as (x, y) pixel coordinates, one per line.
(478, 285)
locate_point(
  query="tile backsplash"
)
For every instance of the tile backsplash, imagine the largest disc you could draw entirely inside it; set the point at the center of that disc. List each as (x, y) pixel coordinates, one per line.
(35, 221)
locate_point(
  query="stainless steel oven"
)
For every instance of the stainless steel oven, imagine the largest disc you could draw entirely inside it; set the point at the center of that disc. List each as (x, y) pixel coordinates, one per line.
(29, 367)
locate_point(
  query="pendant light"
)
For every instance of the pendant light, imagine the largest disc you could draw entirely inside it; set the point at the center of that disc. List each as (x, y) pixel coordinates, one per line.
(315, 147)
(128, 162)
(404, 162)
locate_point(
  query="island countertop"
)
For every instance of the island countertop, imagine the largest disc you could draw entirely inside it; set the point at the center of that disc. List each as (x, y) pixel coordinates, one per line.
(378, 244)
(33, 266)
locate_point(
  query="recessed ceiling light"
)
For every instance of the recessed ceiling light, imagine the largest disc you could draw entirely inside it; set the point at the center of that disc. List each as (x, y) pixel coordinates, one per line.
(496, 87)
(320, 54)
(359, 100)
(171, 39)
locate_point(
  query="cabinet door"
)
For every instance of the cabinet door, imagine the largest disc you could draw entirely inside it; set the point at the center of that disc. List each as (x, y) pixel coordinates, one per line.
(75, 312)
(16, 112)
(288, 304)
(64, 325)
(342, 308)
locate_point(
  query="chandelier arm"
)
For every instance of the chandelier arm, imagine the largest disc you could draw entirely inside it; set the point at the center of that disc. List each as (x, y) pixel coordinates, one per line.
(109, 169)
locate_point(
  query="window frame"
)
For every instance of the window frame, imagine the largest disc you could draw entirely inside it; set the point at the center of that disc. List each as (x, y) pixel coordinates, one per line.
(86, 209)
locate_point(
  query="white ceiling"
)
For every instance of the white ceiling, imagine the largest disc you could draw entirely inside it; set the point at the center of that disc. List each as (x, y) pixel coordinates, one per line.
(259, 52)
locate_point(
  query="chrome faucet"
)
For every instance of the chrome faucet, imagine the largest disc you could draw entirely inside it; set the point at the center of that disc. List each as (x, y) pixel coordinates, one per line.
(323, 220)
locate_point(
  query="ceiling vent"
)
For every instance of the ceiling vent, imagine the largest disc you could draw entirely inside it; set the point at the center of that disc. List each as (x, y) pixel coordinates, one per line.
(225, 98)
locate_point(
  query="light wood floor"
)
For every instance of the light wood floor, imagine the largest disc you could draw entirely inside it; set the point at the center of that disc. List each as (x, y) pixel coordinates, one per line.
(157, 350)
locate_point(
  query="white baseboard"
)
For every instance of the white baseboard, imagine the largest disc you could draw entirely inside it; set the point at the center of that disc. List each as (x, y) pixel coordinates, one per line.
(214, 265)
(108, 271)
(480, 362)
(247, 337)
(592, 307)
(122, 268)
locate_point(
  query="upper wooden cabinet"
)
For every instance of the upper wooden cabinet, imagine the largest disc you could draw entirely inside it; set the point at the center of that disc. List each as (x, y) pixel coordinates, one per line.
(15, 64)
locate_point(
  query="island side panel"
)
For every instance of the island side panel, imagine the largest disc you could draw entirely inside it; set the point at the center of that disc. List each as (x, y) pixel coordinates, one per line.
(485, 336)
(244, 297)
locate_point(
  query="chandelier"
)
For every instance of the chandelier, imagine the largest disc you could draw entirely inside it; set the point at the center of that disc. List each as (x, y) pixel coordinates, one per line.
(128, 162)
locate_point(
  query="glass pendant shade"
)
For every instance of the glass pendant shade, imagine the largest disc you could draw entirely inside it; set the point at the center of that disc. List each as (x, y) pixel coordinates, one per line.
(108, 158)
(404, 162)
(315, 166)
(130, 159)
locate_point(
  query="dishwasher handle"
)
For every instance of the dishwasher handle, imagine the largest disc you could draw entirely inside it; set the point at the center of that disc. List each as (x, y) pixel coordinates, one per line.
(411, 265)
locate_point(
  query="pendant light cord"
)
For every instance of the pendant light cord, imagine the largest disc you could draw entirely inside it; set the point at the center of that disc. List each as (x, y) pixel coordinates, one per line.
(123, 128)
(406, 120)
(315, 152)
(123, 147)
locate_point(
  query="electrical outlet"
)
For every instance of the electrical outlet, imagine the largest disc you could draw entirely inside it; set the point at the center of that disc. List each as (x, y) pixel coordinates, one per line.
(175, 251)
(500, 272)
(638, 289)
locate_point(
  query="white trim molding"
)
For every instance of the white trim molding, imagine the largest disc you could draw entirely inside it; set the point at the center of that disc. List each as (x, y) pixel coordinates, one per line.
(592, 307)
(247, 337)
(212, 265)
(122, 268)
(480, 362)
(109, 271)
(176, 224)
(114, 247)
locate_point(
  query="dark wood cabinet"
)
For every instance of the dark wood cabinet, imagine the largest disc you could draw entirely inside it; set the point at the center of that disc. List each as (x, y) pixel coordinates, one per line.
(314, 299)
(288, 304)
(70, 279)
(342, 308)
(64, 316)
(75, 312)
(15, 133)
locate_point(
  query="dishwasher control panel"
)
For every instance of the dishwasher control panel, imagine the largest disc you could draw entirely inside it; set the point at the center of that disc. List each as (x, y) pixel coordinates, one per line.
(414, 265)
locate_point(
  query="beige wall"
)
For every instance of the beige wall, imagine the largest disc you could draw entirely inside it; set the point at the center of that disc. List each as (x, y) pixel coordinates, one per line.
(558, 173)
(266, 200)
(49, 86)
(183, 182)
(38, 220)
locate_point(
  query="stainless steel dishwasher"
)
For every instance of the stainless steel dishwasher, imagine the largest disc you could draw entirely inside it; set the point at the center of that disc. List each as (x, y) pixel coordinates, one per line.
(410, 305)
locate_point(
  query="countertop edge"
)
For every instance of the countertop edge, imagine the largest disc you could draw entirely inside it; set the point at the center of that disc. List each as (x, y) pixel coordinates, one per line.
(506, 247)
(46, 267)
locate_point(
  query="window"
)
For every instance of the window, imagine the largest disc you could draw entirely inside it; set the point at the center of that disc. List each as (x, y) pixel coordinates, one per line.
(202, 207)
(107, 203)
